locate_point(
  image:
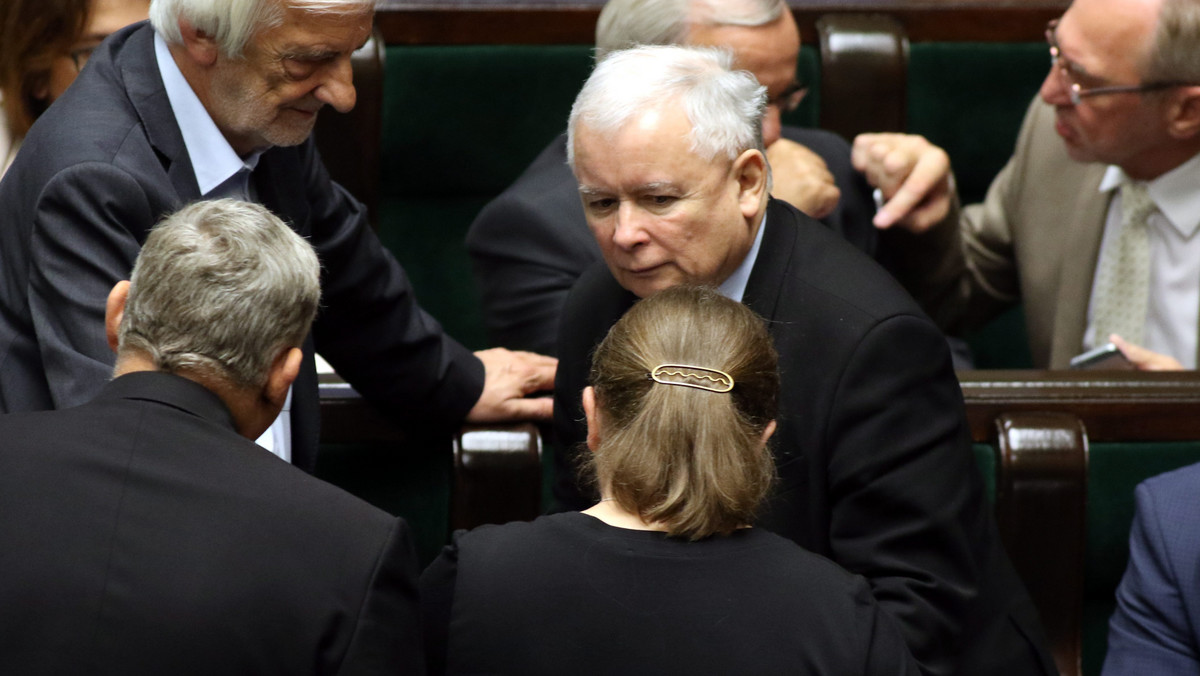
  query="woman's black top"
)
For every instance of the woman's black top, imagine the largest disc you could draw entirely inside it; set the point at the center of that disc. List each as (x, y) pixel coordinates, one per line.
(570, 594)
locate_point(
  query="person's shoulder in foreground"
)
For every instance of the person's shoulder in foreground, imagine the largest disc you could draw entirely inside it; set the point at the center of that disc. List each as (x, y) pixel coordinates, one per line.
(1156, 626)
(147, 534)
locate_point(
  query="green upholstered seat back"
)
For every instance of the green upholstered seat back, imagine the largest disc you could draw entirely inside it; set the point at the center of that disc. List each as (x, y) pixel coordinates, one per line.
(970, 99)
(987, 462)
(1114, 470)
(413, 484)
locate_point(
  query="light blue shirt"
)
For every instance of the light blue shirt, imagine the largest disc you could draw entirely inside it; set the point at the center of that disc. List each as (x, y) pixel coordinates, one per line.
(734, 286)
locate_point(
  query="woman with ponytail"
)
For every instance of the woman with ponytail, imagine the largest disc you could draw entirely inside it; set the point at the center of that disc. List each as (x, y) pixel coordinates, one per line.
(665, 574)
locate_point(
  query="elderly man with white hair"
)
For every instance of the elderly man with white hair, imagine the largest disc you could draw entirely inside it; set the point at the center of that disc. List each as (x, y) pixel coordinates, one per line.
(217, 98)
(529, 245)
(873, 453)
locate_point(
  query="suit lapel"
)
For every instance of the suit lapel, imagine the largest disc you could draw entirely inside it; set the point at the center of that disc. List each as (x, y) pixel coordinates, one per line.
(774, 259)
(138, 69)
(1078, 268)
(280, 183)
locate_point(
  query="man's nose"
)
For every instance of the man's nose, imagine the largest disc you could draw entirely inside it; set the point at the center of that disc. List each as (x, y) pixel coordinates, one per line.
(337, 89)
(630, 230)
(1054, 89)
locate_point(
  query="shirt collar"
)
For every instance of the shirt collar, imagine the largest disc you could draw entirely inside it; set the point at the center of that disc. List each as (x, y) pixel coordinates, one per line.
(734, 287)
(1174, 193)
(214, 161)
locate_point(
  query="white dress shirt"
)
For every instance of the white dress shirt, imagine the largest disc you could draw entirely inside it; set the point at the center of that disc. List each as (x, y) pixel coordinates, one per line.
(1173, 308)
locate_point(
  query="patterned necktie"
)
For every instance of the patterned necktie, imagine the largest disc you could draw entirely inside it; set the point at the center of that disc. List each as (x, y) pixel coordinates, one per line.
(1123, 283)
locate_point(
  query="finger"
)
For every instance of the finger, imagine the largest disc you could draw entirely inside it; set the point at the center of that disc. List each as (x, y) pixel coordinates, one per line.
(536, 359)
(858, 152)
(1143, 358)
(926, 179)
(537, 408)
(539, 379)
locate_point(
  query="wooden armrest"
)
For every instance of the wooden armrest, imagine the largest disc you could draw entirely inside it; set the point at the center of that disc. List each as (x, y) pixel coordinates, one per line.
(497, 475)
(864, 70)
(497, 471)
(1041, 499)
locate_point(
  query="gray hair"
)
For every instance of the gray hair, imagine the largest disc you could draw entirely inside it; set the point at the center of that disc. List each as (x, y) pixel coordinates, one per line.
(233, 22)
(1174, 55)
(220, 288)
(628, 23)
(724, 106)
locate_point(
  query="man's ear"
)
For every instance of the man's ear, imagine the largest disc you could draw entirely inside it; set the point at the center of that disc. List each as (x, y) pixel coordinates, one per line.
(283, 373)
(593, 418)
(1183, 115)
(750, 172)
(201, 47)
(767, 432)
(114, 312)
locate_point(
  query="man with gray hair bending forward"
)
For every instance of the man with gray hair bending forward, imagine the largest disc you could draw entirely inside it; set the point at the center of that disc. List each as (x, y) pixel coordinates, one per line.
(146, 533)
(874, 459)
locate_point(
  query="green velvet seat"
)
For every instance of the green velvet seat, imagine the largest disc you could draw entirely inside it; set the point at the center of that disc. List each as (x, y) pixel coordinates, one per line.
(1114, 469)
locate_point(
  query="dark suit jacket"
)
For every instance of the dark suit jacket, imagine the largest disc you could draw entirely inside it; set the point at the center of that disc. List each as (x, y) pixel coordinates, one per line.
(102, 166)
(530, 244)
(142, 535)
(874, 459)
(1156, 627)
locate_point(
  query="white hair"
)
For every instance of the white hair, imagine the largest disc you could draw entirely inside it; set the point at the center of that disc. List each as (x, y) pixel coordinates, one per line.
(628, 23)
(220, 288)
(233, 22)
(724, 106)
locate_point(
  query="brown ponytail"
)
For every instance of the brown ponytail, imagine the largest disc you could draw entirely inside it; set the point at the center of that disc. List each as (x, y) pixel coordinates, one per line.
(689, 458)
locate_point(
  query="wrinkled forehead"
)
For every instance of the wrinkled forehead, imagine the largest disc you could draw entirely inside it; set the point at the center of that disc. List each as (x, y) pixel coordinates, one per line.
(1108, 38)
(661, 131)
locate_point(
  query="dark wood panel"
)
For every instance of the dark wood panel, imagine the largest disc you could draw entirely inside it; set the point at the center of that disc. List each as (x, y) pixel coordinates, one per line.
(410, 22)
(1113, 406)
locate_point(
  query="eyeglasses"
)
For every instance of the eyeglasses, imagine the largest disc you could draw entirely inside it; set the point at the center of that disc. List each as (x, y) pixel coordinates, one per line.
(789, 99)
(1078, 92)
(80, 55)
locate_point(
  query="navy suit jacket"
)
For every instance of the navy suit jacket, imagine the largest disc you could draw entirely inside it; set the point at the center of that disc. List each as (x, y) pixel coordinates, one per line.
(1156, 627)
(530, 244)
(142, 535)
(872, 450)
(102, 166)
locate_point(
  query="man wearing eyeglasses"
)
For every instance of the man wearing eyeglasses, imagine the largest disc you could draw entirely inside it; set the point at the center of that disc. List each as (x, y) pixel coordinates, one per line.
(1092, 224)
(531, 243)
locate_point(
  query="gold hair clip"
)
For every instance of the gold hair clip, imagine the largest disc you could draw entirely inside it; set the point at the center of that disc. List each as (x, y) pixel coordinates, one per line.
(698, 377)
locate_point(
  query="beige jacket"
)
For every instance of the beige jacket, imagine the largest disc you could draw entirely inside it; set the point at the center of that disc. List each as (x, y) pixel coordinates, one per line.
(1035, 239)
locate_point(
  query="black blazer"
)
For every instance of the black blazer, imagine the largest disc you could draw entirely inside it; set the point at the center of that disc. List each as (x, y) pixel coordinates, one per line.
(102, 166)
(530, 244)
(874, 458)
(142, 535)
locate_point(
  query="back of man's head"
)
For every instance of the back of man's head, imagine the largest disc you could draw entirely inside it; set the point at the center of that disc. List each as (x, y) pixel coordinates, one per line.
(233, 22)
(724, 106)
(219, 290)
(627, 23)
